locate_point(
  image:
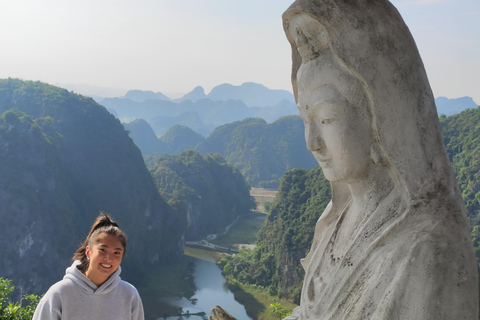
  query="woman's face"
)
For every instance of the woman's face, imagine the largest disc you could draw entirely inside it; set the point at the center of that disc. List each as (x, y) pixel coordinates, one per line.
(338, 133)
(105, 256)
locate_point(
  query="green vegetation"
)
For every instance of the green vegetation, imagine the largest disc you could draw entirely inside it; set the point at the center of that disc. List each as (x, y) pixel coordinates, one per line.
(278, 311)
(144, 137)
(208, 193)
(258, 302)
(63, 158)
(15, 310)
(461, 134)
(179, 138)
(262, 152)
(287, 233)
(244, 231)
(285, 237)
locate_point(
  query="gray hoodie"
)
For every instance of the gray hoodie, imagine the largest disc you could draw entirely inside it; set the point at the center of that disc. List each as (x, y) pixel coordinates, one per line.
(77, 298)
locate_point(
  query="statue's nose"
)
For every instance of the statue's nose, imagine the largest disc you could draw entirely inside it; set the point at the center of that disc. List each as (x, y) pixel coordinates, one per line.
(313, 138)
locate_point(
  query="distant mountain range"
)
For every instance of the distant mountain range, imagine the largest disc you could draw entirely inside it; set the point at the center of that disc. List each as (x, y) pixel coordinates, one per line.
(252, 94)
(262, 152)
(63, 159)
(226, 103)
(449, 107)
(200, 112)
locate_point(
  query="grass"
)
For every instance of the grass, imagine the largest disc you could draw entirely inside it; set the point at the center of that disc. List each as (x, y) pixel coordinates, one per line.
(203, 254)
(257, 300)
(263, 196)
(244, 231)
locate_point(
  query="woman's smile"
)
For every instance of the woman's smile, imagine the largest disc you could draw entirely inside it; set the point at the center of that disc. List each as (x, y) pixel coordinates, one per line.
(105, 257)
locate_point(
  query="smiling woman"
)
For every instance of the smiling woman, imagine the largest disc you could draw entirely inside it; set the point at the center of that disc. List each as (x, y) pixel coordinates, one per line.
(91, 287)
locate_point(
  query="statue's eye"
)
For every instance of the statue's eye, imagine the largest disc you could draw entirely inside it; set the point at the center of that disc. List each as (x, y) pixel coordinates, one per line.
(326, 121)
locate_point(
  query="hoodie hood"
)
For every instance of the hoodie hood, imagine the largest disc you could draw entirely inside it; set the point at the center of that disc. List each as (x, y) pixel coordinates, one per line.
(72, 273)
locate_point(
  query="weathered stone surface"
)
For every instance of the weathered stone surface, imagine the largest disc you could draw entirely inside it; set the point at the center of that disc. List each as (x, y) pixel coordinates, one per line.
(394, 242)
(218, 313)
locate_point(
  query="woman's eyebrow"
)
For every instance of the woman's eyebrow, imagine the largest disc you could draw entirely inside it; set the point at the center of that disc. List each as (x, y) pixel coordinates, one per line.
(104, 245)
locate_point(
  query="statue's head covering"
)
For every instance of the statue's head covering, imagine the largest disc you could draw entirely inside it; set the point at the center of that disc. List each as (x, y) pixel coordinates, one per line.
(371, 41)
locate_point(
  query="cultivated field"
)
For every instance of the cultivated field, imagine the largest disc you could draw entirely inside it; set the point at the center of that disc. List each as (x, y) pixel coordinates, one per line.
(262, 196)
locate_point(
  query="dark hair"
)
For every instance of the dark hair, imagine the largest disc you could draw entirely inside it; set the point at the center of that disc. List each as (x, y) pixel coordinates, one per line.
(103, 224)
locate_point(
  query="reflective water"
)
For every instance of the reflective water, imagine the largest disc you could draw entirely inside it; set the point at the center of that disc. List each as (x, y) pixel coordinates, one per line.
(211, 291)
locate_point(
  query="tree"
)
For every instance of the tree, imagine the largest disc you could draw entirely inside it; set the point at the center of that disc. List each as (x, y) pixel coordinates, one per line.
(10, 310)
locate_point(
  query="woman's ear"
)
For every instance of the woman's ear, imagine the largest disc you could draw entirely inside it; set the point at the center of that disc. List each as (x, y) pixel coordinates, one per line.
(87, 252)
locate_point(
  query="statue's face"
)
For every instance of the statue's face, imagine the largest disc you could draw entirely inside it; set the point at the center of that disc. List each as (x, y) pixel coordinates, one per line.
(337, 131)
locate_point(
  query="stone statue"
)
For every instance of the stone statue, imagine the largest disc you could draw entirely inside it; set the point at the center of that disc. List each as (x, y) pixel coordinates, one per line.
(394, 241)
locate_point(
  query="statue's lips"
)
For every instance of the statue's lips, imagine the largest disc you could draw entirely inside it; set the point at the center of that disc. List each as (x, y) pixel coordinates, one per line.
(321, 160)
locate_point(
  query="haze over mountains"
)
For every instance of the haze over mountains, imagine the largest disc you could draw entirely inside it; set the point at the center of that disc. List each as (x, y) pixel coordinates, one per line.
(64, 158)
(225, 103)
(235, 121)
(202, 113)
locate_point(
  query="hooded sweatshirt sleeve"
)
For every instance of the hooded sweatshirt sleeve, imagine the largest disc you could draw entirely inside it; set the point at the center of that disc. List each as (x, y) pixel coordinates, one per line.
(137, 308)
(49, 308)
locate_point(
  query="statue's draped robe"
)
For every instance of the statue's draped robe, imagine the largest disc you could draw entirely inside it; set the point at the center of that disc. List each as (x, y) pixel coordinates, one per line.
(403, 263)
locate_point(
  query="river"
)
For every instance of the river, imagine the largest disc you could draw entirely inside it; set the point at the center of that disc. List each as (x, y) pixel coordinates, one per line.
(211, 290)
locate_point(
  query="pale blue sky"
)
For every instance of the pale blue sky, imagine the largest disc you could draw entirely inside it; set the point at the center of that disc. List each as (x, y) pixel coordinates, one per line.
(172, 46)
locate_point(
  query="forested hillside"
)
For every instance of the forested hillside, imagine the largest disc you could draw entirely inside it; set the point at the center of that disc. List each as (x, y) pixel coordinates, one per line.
(461, 134)
(207, 192)
(179, 138)
(63, 158)
(287, 233)
(144, 137)
(285, 237)
(262, 152)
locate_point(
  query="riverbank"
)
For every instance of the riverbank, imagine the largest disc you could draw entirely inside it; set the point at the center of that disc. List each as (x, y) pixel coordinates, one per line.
(257, 300)
(173, 291)
(263, 198)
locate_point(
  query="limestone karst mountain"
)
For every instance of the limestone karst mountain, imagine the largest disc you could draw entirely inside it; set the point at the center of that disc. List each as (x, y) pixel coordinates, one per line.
(252, 94)
(180, 138)
(144, 137)
(208, 192)
(203, 113)
(141, 96)
(262, 152)
(63, 159)
(449, 107)
(196, 94)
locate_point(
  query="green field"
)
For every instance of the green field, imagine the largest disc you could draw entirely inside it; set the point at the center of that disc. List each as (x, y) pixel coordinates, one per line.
(244, 231)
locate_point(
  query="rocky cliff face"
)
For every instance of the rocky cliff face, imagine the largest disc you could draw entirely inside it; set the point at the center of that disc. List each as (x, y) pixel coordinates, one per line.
(209, 194)
(63, 159)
